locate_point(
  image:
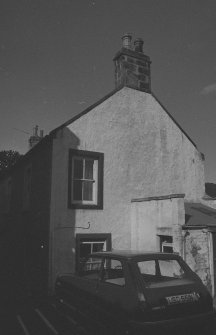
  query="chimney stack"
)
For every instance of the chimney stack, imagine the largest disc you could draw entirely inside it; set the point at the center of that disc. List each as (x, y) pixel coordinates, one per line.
(35, 138)
(132, 66)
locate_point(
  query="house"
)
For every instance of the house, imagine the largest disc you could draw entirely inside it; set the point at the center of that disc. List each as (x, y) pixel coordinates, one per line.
(122, 174)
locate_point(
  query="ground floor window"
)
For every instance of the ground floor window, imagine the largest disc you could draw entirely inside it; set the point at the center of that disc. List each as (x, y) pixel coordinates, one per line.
(88, 243)
(166, 243)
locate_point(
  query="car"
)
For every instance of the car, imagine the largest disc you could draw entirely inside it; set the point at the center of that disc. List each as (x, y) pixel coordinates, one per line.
(133, 292)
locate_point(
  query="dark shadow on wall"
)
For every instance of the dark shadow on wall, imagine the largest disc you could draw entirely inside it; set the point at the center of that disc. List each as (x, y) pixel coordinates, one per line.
(26, 256)
(63, 220)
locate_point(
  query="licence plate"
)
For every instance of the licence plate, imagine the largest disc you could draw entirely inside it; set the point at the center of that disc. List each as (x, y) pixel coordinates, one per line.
(183, 298)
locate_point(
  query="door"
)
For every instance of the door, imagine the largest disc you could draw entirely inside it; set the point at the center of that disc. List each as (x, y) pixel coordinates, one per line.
(114, 295)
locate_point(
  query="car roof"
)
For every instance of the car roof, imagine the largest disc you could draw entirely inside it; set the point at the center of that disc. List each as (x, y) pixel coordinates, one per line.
(135, 254)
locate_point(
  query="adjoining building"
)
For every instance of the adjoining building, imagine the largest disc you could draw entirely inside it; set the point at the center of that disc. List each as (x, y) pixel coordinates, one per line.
(122, 174)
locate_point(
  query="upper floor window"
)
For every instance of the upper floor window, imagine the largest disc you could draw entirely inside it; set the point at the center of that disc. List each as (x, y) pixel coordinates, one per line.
(85, 179)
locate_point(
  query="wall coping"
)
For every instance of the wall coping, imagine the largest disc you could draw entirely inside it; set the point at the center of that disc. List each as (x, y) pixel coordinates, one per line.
(162, 197)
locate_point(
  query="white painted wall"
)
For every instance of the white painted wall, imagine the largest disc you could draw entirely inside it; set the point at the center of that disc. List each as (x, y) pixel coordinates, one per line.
(152, 218)
(145, 154)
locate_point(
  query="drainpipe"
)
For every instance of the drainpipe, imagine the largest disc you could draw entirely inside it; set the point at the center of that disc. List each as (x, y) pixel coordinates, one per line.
(211, 261)
(185, 234)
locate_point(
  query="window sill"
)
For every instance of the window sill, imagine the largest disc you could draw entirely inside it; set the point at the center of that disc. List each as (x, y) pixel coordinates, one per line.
(85, 206)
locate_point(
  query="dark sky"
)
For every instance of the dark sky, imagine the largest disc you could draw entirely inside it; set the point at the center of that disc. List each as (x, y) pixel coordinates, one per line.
(56, 60)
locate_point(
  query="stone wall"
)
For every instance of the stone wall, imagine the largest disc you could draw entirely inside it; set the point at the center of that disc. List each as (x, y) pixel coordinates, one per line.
(197, 254)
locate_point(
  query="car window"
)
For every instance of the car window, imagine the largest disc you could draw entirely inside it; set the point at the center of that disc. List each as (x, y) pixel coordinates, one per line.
(112, 272)
(90, 268)
(156, 271)
(170, 268)
(147, 267)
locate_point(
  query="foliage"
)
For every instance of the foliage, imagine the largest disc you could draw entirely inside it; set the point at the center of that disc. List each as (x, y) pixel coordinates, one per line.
(8, 158)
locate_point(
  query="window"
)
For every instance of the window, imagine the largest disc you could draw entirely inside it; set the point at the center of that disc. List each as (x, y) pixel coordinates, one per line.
(166, 243)
(160, 270)
(87, 247)
(27, 187)
(171, 269)
(147, 267)
(85, 179)
(88, 243)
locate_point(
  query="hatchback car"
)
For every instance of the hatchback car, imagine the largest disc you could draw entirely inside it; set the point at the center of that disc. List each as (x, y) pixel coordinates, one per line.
(127, 292)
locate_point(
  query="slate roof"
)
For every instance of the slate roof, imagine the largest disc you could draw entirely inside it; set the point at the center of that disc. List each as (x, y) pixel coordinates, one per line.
(199, 215)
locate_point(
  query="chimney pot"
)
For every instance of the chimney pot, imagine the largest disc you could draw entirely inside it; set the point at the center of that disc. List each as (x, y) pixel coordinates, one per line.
(35, 138)
(35, 131)
(126, 41)
(138, 44)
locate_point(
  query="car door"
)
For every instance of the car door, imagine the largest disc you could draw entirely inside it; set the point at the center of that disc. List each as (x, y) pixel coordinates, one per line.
(115, 293)
(80, 291)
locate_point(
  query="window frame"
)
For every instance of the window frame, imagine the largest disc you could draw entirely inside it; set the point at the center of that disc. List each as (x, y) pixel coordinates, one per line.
(164, 243)
(80, 238)
(95, 203)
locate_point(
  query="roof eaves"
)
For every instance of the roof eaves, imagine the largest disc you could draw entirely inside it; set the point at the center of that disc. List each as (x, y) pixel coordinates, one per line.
(88, 109)
(85, 111)
(154, 96)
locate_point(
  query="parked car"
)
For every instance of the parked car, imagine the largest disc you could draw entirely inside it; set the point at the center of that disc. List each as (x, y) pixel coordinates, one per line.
(137, 293)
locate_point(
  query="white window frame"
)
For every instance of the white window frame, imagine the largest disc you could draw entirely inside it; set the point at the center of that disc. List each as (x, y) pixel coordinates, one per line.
(94, 181)
(163, 243)
(92, 242)
(97, 180)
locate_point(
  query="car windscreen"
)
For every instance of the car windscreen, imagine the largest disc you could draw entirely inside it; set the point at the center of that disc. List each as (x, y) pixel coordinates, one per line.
(156, 271)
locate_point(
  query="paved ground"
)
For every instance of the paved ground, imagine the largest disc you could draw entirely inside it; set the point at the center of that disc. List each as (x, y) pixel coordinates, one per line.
(42, 318)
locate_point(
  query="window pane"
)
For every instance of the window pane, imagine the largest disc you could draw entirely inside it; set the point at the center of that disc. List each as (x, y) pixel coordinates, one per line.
(89, 164)
(78, 169)
(98, 247)
(88, 190)
(171, 268)
(167, 239)
(147, 267)
(77, 190)
(167, 248)
(85, 249)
